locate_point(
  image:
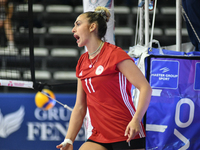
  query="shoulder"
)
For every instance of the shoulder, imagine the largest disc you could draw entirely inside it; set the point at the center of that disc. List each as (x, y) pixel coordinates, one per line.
(113, 49)
(117, 51)
(112, 46)
(115, 54)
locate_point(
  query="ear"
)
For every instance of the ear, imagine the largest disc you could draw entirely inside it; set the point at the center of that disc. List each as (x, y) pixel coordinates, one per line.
(93, 26)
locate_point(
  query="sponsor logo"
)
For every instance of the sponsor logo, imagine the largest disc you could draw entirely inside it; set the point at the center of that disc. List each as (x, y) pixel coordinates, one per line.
(49, 126)
(11, 122)
(19, 84)
(164, 74)
(165, 69)
(16, 84)
(10, 83)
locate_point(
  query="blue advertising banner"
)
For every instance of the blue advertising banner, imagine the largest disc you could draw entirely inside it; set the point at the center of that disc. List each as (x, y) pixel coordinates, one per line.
(197, 77)
(23, 126)
(172, 119)
(164, 77)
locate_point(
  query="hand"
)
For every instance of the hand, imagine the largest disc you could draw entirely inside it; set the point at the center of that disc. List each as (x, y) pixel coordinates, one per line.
(132, 129)
(67, 147)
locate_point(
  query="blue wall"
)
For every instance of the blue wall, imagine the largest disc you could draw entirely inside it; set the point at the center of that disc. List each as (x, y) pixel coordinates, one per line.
(172, 120)
(26, 127)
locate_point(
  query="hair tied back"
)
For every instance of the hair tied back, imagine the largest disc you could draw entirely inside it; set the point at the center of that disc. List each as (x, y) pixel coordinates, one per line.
(102, 13)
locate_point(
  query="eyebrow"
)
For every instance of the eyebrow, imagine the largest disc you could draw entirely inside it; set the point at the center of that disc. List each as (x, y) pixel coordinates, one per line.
(76, 22)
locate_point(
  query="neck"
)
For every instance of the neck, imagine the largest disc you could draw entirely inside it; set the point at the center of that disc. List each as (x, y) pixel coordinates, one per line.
(93, 53)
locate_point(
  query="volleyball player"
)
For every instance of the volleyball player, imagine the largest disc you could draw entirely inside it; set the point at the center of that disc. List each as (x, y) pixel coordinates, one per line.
(105, 76)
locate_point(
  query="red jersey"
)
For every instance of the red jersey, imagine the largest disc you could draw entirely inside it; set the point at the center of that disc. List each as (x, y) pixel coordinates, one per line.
(108, 94)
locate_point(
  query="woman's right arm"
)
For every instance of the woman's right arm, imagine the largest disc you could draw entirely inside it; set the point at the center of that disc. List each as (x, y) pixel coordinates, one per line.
(77, 116)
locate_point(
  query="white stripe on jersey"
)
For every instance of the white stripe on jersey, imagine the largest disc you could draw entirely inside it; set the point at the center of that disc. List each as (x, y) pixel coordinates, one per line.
(87, 85)
(123, 84)
(91, 85)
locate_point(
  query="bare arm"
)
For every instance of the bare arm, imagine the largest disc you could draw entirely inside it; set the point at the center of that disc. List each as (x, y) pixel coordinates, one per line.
(135, 76)
(10, 11)
(78, 114)
(7, 23)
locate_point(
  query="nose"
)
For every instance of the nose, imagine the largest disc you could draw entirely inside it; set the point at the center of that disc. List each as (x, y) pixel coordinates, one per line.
(73, 30)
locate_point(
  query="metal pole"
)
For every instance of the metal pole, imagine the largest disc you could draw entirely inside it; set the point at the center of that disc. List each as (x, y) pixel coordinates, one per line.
(146, 22)
(178, 25)
(141, 33)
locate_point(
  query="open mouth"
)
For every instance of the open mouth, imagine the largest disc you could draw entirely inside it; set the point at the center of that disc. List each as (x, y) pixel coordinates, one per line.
(77, 37)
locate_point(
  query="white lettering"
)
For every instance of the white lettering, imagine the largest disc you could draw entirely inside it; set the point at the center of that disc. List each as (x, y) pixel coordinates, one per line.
(191, 113)
(163, 79)
(171, 75)
(60, 128)
(183, 139)
(40, 114)
(165, 75)
(50, 131)
(64, 114)
(33, 129)
(183, 124)
(158, 75)
(53, 114)
(45, 131)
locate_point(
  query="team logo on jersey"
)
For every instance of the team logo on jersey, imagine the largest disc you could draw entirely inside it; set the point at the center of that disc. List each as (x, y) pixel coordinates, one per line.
(99, 70)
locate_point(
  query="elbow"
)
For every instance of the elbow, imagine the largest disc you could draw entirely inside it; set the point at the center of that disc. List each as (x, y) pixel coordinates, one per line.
(149, 90)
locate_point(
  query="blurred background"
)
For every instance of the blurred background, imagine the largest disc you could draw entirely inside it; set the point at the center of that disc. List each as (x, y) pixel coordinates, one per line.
(55, 49)
(47, 31)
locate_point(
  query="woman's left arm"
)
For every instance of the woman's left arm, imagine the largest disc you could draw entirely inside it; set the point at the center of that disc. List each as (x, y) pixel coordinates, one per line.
(10, 11)
(135, 77)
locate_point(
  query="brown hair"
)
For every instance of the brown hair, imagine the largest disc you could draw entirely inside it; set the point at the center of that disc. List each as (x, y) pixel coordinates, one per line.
(101, 15)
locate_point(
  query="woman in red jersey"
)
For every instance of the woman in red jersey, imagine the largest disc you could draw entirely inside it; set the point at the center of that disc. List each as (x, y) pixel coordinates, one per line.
(105, 76)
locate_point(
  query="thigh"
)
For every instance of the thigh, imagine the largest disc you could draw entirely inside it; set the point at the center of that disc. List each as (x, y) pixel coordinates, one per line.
(92, 146)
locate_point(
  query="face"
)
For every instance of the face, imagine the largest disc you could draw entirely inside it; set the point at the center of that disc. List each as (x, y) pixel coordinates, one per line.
(81, 30)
